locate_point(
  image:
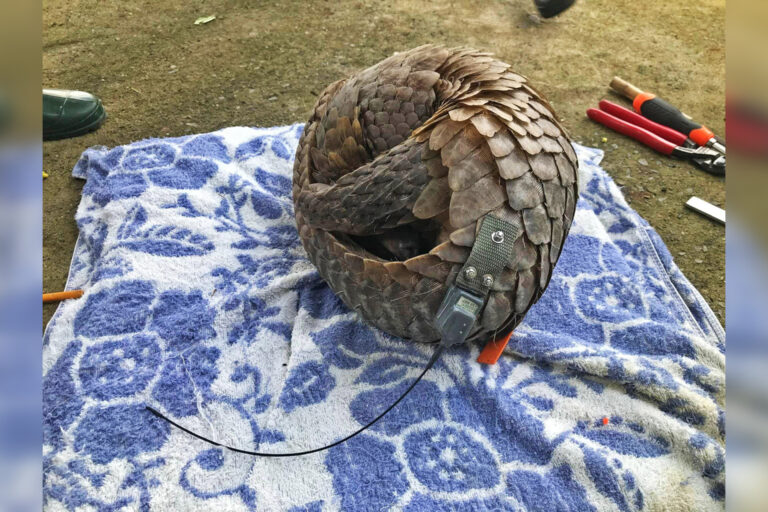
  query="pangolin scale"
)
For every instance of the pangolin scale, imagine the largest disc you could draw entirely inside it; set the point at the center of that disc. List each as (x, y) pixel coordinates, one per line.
(398, 163)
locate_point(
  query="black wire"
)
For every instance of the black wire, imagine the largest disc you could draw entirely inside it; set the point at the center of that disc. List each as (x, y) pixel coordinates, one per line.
(431, 362)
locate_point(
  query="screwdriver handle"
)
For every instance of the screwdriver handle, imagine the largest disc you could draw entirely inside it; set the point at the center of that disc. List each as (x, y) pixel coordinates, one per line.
(658, 110)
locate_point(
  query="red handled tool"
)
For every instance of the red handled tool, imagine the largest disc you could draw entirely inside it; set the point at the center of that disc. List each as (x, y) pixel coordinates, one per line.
(660, 138)
(658, 110)
(627, 115)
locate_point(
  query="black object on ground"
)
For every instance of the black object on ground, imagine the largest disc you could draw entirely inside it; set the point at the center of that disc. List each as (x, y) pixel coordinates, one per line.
(551, 8)
(70, 113)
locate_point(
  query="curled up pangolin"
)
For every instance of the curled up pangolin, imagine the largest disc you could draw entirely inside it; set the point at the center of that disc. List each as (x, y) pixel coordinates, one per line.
(396, 173)
(398, 164)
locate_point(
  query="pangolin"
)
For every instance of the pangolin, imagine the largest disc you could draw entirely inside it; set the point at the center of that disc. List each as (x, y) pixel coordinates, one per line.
(397, 165)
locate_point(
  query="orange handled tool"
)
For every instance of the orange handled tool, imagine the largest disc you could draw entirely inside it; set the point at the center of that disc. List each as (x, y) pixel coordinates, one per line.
(658, 110)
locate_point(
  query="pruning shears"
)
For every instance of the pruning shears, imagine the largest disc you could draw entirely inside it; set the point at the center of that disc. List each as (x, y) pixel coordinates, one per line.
(661, 138)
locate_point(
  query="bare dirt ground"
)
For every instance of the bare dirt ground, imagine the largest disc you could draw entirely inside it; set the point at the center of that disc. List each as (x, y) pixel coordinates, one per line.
(262, 64)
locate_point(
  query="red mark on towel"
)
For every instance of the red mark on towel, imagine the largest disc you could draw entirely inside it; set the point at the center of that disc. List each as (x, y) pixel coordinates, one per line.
(605, 420)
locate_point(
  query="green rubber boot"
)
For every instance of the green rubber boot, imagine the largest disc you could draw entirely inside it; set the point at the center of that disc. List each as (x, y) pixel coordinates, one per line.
(70, 113)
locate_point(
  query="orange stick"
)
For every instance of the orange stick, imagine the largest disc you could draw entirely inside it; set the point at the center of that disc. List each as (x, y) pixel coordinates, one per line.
(57, 296)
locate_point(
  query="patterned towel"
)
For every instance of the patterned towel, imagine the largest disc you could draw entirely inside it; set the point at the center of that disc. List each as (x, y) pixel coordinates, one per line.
(199, 300)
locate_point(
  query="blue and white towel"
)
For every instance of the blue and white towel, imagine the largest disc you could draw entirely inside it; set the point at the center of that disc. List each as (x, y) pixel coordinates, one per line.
(200, 301)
